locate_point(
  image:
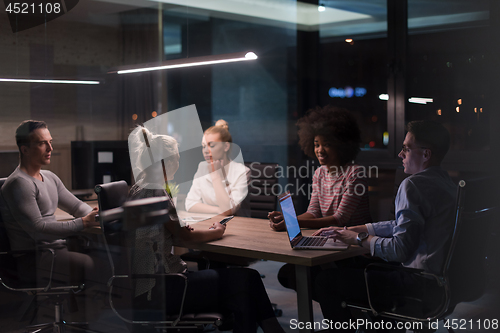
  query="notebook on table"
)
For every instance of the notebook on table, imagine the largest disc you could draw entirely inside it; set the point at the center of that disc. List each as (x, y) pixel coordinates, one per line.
(299, 242)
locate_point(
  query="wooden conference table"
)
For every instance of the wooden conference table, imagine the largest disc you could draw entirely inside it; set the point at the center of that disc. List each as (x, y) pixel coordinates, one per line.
(253, 238)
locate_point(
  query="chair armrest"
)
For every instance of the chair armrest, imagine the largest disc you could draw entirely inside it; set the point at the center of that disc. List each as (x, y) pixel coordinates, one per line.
(415, 271)
(441, 282)
(42, 248)
(149, 276)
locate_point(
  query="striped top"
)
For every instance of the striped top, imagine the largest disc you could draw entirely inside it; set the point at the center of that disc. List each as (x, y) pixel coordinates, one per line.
(342, 194)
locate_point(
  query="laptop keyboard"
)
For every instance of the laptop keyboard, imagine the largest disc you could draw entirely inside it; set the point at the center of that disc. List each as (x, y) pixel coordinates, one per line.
(313, 241)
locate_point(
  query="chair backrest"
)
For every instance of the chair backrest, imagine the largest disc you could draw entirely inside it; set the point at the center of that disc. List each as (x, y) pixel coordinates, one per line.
(465, 266)
(109, 196)
(8, 265)
(260, 198)
(4, 239)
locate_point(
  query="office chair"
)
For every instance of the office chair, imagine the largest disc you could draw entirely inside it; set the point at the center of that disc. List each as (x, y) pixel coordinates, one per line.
(261, 199)
(11, 279)
(132, 216)
(111, 195)
(463, 274)
(260, 195)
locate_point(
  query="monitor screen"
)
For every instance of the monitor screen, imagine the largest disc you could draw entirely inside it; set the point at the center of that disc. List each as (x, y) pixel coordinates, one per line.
(99, 162)
(292, 224)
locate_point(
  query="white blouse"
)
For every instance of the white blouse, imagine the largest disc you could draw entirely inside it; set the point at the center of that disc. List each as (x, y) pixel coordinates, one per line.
(202, 190)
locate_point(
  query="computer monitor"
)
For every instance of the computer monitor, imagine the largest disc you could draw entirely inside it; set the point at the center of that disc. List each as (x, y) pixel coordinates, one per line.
(99, 162)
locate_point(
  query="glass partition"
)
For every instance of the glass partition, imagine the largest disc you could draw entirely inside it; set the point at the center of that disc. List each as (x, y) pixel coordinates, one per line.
(451, 71)
(353, 66)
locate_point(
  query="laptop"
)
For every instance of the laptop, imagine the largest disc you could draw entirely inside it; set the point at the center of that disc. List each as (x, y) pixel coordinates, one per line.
(299, 242)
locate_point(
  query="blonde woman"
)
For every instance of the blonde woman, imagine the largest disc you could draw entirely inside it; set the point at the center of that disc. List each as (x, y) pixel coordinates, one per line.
(236, 291)
(220, 184)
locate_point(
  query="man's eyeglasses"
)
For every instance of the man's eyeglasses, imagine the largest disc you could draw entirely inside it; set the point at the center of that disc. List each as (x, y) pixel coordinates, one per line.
(406, 149)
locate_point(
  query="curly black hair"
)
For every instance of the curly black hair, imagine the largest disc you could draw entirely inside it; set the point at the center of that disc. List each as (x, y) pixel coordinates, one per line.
(336, 125)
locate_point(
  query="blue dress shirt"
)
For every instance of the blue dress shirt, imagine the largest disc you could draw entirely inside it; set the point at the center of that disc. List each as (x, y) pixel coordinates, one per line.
(421, 234)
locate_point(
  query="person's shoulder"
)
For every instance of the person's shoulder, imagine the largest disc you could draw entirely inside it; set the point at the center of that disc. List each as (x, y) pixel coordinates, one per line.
(321, 171)
(429, 176)
(203, 165)
(202, 169)
(16, 181)
(17, 177)
(319, 174)
(47, 174)
(239, 167)
(430, 180)
(356, 170)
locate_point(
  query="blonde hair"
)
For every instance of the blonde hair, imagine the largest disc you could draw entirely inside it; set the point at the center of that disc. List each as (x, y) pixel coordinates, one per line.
(221, 127)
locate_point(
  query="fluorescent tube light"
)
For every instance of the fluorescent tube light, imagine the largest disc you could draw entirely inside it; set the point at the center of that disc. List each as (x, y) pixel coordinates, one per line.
(48, 81)
(420, 100)
(188, 62)
(303, 15)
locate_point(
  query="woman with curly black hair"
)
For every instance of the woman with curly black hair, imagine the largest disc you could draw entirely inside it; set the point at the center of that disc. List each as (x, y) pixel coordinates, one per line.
(340, 190)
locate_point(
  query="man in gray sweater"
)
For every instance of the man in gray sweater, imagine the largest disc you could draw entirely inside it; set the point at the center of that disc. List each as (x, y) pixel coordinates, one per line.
(29, 199)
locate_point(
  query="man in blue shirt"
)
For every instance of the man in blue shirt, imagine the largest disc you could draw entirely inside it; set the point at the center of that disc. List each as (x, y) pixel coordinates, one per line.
(418, 238)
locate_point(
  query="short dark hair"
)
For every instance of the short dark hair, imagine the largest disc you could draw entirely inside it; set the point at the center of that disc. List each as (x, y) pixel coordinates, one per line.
(24, 130)
(337, 125)
(432, 135)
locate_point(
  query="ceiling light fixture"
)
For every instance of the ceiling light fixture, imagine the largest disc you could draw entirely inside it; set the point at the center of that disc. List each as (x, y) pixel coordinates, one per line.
(420, 100)
(48, 81)
(187, 62)
(321, 8)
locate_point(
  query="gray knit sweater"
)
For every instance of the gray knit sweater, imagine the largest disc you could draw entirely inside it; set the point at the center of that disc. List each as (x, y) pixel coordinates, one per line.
(28, 206)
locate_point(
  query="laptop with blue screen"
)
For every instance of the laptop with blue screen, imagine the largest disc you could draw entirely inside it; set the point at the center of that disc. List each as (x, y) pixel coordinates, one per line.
(299, 242)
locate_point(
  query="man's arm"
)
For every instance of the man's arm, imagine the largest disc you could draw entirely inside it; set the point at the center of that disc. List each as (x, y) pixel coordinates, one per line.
(399, 245)
(20, 197)
(68, 202)
(408, 228)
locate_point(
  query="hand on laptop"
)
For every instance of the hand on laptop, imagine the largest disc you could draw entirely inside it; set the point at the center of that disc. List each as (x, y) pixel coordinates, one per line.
(345, 235)
(326, 232)
(276, 221)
